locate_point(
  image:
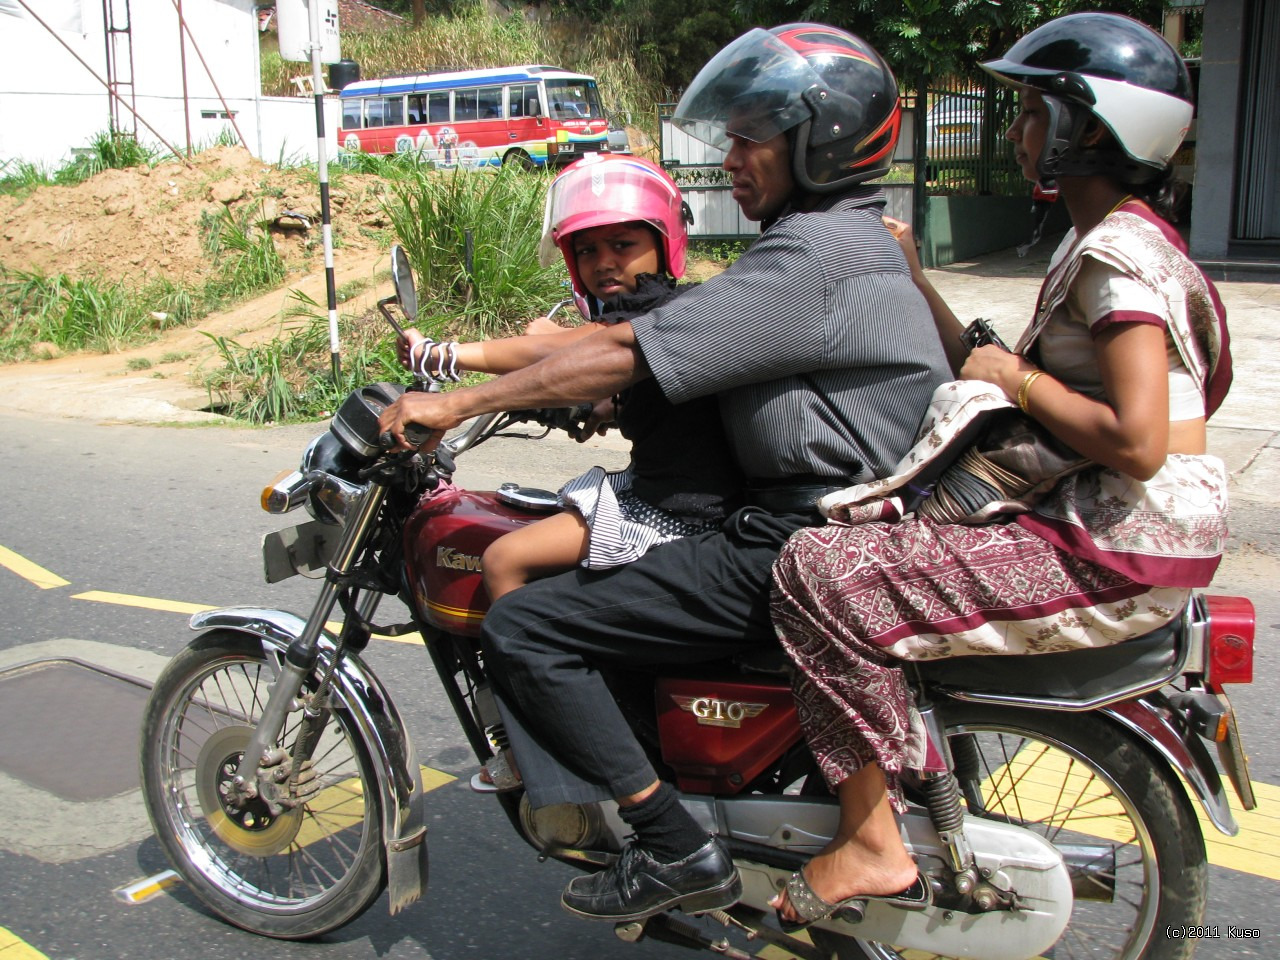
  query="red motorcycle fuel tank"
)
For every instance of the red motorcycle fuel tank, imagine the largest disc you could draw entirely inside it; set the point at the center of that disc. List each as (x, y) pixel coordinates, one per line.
(443, 542)
(719, 735)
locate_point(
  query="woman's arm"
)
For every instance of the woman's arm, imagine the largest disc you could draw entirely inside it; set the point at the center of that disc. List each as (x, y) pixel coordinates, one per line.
(948, 324)
(1130, 432)
(496, 356)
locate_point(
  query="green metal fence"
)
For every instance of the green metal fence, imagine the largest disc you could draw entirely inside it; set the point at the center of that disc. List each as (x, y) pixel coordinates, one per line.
(965, 148)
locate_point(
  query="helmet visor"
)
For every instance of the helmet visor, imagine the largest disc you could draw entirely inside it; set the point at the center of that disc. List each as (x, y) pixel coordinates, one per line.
(751, 89)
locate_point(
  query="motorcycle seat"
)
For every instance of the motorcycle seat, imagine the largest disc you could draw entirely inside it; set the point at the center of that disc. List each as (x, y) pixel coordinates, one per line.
(1091, 676)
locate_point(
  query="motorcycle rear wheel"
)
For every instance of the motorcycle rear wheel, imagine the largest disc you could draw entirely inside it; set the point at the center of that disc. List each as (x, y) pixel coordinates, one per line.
(1076, 778)
(311, 869)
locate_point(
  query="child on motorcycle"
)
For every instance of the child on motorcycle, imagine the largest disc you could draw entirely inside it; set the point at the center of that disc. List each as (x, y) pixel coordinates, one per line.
(620, 224)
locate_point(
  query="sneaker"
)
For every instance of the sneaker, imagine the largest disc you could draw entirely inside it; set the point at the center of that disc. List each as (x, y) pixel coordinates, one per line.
(636, 886)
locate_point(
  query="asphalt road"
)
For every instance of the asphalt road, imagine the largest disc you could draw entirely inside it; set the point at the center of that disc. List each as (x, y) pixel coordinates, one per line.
(170, 515)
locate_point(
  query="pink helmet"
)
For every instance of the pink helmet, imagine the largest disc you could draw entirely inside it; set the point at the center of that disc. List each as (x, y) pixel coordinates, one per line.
(603, 189)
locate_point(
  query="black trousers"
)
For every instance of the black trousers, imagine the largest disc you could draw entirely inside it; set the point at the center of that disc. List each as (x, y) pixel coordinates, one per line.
(697, 599)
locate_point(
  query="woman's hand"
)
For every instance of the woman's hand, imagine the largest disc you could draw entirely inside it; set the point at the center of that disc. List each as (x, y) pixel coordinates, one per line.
(997, 366)
(907, 241)
(543, 325)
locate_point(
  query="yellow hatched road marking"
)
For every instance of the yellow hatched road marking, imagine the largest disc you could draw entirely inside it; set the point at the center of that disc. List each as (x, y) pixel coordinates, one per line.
(31, 572)
(13, 947)
(1044, 781)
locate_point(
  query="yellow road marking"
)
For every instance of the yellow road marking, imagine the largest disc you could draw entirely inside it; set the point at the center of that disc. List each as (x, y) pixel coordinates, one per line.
(146, 603)
(13, 947)
(178, 606)
(1043, 781)
(31, 572)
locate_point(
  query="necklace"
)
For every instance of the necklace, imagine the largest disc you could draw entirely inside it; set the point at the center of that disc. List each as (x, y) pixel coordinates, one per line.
(1122, 201)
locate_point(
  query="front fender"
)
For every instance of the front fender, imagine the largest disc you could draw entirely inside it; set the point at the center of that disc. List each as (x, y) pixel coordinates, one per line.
(381, 728)
(1150, 720)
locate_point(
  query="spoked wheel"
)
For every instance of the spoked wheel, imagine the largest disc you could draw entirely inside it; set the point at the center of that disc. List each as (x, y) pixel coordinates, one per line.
(291, 873)
(1125, 826)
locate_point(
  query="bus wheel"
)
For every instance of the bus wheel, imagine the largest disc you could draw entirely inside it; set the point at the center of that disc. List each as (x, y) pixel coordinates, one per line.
(520, 160)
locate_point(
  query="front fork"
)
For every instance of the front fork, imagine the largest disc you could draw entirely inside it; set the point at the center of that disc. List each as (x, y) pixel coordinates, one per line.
(301, 657)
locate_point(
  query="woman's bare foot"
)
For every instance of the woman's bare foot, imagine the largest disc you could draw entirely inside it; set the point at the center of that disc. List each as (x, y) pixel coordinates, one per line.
(846, 869)
(866, 857)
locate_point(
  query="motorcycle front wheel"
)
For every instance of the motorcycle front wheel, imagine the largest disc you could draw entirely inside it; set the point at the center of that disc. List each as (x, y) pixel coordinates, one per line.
(295, 875)
(1079, 780)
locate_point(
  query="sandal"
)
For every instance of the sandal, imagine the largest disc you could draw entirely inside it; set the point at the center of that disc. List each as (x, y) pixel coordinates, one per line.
(811, 908)
(497, 775)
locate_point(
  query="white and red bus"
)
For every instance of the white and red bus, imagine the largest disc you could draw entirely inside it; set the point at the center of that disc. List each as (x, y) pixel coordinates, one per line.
(530, 115)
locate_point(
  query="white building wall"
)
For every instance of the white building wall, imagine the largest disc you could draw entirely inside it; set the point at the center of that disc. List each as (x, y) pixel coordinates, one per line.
(51, 104)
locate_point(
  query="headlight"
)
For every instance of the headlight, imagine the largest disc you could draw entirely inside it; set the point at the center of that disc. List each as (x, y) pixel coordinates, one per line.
(331, 497)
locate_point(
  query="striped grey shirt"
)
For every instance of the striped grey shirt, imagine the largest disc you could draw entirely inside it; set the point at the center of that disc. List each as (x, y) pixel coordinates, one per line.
(822, 351)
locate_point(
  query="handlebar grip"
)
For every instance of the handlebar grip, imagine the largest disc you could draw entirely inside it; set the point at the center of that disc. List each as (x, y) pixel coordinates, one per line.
(416, 434)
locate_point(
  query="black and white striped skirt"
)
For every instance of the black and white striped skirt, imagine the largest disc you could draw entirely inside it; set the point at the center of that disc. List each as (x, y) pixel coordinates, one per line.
(623, 526)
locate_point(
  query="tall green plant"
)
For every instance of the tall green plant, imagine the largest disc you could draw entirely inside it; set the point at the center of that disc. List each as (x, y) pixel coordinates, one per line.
(245, 254)
(472, 240)
(85, 314)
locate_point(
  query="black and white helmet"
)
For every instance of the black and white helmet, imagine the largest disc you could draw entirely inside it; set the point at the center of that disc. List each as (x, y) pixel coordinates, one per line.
(1111, 68)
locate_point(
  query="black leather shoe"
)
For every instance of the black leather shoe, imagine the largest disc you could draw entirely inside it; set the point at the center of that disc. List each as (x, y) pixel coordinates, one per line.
(637, 886)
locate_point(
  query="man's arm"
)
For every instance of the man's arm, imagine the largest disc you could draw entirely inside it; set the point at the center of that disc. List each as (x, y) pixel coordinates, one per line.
(599, 365)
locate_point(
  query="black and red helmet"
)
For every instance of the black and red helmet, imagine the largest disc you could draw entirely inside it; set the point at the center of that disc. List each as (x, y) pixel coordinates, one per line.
(829, 88)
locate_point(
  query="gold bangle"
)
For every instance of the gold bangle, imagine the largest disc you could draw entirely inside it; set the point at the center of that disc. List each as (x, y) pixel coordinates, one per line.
(1024, 389)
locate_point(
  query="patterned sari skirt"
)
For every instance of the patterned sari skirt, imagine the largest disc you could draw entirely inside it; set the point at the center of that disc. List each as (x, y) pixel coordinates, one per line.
(851, 601)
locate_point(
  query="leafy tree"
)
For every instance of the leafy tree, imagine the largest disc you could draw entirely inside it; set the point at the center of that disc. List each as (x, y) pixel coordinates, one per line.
(923, 39)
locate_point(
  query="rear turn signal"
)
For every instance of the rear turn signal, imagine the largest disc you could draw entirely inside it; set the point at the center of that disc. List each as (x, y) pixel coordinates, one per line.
(1231, 633)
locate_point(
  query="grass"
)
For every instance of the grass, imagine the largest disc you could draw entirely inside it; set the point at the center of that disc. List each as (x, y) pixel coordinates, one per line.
(473, 244)
(243, 252)
(83, 314)
(289, 378)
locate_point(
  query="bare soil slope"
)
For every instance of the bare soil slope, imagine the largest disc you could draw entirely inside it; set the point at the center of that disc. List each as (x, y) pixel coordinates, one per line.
(142, 222)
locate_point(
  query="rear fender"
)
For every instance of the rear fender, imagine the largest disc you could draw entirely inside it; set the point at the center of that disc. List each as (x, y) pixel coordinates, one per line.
(380, 727)
(1150, 718)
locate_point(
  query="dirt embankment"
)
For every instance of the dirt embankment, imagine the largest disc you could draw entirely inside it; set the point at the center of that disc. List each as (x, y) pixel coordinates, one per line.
(145, 222)
(148, 220)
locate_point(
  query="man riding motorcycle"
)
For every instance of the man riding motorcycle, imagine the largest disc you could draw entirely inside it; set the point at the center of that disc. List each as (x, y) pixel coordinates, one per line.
(823, 357)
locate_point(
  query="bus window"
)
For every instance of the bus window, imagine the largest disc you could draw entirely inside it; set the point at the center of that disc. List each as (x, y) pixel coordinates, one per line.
(522, 100)
(417, 107)
(489, 103)
(466, 105)
(384, 112)
(574, 100)
(437, 108)
(351, 114)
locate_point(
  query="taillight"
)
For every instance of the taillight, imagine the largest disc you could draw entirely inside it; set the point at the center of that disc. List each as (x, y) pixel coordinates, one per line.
(1230, 648)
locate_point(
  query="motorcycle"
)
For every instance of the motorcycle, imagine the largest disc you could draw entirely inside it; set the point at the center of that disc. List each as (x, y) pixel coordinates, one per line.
(282, 783)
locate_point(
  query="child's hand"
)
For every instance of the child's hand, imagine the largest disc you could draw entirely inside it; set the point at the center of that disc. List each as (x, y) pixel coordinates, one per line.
(603, 415)
(405, 345)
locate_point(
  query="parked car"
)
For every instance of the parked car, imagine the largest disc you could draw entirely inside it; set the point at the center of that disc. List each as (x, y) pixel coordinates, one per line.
(954, 125)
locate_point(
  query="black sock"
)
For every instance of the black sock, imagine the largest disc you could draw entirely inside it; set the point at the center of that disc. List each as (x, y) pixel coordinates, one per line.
(663, 828)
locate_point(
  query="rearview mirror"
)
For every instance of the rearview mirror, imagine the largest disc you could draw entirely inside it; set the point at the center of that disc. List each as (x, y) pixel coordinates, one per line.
(402, 276)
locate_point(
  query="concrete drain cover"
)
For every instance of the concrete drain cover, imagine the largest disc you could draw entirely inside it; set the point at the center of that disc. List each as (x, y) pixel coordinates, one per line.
(71, 730)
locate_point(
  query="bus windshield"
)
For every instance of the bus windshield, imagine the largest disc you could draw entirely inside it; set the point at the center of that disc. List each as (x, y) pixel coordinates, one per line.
(574, 100)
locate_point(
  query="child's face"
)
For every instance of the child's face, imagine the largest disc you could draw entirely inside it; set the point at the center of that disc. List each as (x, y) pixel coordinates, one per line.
(611, 257)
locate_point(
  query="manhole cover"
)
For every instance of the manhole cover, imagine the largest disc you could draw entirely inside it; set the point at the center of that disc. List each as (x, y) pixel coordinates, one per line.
(71, 730)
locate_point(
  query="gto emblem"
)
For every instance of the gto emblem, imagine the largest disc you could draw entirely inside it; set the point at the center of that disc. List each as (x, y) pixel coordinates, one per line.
(451, 559)
(711, 712)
